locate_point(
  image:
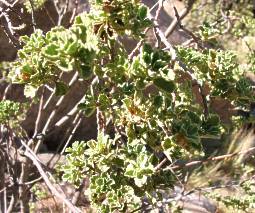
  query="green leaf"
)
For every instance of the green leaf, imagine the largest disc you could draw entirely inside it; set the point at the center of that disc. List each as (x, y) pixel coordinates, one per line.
(130, 173)
(127, 102)
(22, 54)
(147, 49)
(51, 51)
(142, 12)
(194, 117)
(30, 91)
(167, 86)
(154, 57)
(27, 69)
(195, 141)
(192, 130)
(158, 64)
(87, 110)
(92, 144)
(72, 48)
(140, 84)
(146, 58)
(100, 181)
(158, 101)
(78, 20)
(213, 130)
(167, 144)
(147, 171)
(85, 71)
(128, 88)
(104, 102)
(213, 120)
(65, 65)
(61, 88)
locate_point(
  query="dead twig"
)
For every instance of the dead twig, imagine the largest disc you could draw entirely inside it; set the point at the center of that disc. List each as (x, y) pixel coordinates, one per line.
(208, 160)
(8, 29)
(33, 14)
(74, 12)
(183, 14)
(32, 156)
(160, 7)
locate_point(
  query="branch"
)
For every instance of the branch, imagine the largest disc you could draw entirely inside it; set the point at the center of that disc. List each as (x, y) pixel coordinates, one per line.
(33, 14)
(160, 7)
(8, 29)
(183, 14)
(208, 160)
(31, 155)
(173, 53)
(53, 113)
(74, 12)
(39, 114)
(2, 183)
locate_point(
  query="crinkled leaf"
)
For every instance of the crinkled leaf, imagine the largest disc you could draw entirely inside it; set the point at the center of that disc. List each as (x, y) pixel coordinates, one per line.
(72, 48)
(142, 12)
(86, 71)
(167, 144)
(51, 51)
(158, 64)
(167, 86)
(147, 49)
(61, 88)
(213, 120)
(65, 65)
(146, 58)
(87, 110)
(30, 91)
(103, 101)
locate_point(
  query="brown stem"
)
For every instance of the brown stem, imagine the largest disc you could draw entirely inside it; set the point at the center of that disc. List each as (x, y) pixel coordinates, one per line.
(183, 14)
(2, 182)
(31, 155)
(208, 160)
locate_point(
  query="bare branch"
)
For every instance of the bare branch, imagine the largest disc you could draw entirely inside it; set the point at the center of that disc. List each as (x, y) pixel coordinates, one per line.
(208, 160)
(31, 155)
(33, 14)
(183, 14)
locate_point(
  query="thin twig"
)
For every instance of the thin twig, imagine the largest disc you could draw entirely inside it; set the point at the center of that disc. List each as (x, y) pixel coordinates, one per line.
(183, 14)
(160, 7)
(232, 184)
(6, 90)
(39, 114)
(78, 192)
(208, 160)
(8, 29)
(205, 104)
(2, 182)
(51, 187)
(158, 40)
(49, 15)
(74, 12)
(72, 133)
(33, 14)
(53, 113)
(69, 133)
(160, 164)
(194, 37)
(181, 64)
